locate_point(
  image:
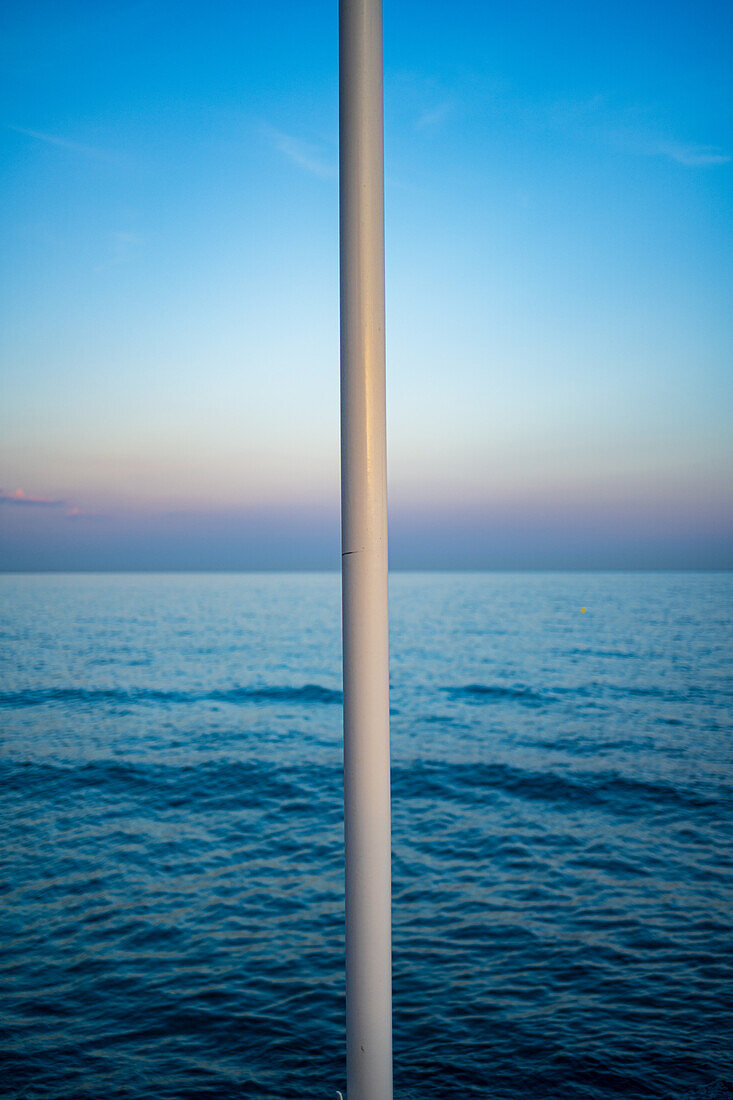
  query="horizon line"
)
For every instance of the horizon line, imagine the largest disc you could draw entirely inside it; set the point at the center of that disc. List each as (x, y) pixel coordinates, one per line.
(335, 571)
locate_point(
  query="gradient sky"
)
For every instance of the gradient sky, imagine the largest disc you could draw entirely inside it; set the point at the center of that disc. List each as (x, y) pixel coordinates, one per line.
(559, 273)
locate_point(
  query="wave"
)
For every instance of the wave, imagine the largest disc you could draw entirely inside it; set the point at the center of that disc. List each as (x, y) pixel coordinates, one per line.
(308, 693)
(602, 790)
(217, 781)
(593, 690)
(206, 785)
(497, 692)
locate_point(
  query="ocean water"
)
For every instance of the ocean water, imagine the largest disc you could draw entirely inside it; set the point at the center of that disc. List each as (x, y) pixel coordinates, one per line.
(171, 836)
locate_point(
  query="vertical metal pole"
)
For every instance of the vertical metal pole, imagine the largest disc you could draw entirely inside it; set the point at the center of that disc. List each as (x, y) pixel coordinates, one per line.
(364, 558)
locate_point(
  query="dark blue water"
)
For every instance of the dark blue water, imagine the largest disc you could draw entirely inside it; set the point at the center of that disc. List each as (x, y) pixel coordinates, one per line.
(171, 836)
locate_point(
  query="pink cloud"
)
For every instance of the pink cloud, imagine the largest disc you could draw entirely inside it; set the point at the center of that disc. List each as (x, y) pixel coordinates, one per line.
(79, 513)
(19, 496)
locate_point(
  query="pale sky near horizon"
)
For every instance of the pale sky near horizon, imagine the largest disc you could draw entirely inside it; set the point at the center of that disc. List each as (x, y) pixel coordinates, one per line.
(559, 272)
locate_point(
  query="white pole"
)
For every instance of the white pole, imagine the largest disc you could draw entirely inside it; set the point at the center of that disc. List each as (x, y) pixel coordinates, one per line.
(364, 558)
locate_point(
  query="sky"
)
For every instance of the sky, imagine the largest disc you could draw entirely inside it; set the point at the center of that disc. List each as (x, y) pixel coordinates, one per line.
(559, 266)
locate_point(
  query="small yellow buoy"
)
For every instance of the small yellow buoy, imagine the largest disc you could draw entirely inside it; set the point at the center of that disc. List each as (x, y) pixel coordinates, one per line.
(582, 611)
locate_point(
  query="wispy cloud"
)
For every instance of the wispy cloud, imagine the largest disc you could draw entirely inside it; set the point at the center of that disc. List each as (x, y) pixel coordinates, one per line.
(423, 103)
(306, 155)
(434, 116)
(79, 513)
(123, 247)
(19, 497)
(631, 129)
(63, 143)
(692, 156)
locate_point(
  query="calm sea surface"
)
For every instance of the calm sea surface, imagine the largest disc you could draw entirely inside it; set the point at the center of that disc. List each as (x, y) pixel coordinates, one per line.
(171, 836)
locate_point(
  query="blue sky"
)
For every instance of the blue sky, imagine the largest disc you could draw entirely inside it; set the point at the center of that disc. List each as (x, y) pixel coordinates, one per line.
(558, 225)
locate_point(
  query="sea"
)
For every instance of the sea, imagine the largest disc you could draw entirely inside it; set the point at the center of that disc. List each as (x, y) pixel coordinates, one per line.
(171, 836)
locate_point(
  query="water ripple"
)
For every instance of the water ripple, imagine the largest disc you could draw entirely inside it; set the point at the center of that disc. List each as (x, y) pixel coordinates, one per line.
(74, 696)
(171, 838)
